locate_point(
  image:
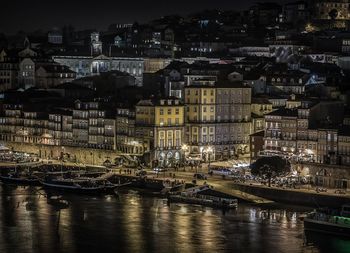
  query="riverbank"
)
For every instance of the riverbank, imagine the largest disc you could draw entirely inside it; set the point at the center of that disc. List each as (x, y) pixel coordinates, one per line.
(256, 194)
(296, 197)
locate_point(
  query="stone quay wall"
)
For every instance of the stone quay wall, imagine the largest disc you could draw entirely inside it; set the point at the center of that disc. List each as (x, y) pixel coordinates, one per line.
(294, 197)
(76, 154)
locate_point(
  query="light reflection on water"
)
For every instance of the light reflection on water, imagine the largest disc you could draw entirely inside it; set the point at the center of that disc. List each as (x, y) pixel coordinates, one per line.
(135, 223)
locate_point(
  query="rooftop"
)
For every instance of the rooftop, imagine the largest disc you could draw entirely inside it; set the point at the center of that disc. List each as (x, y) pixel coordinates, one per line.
(284, 112)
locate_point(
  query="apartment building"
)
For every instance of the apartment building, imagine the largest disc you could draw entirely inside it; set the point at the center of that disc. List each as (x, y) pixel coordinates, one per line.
(160, 126)
(125, 132)
(200, 101)
(218, 119)
(309, 131)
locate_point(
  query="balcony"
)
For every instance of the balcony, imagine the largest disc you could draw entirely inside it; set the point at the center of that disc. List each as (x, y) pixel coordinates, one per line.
(79, 117)
(33, 125)
(109, 134)
(80, 126)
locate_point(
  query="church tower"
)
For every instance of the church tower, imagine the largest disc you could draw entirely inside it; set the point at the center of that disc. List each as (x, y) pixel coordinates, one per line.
(96, 44)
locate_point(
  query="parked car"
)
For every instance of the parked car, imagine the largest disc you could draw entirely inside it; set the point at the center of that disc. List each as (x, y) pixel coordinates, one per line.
(141, 173)
(159, 169)
(220, 171)
(200, 176)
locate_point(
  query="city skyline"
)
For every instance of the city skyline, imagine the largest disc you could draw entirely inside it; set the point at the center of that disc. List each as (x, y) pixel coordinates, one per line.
(100, 14)
(182, 126)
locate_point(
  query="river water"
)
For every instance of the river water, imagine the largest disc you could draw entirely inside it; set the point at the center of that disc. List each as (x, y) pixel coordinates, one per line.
(135, 222)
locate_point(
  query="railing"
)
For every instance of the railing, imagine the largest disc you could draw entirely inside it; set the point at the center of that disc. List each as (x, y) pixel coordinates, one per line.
(81, 126)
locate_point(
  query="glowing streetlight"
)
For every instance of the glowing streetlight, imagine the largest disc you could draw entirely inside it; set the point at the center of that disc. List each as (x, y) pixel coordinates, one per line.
(209, 152)
(185, 149)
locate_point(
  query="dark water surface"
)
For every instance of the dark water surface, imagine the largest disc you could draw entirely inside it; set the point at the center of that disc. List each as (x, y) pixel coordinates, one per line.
(138, 223)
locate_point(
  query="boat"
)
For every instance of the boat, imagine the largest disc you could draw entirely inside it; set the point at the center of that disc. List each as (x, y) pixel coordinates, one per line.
(329, 221)
(18, 179)
(80, 185)
(205, 196)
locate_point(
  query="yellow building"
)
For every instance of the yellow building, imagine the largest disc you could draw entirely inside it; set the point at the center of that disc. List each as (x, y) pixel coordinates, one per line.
(200, 119)
(293, 102)
(259, 107)
(160, 124)
(218, 120)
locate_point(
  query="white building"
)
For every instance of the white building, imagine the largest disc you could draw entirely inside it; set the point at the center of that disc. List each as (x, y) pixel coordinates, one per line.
(90, 65)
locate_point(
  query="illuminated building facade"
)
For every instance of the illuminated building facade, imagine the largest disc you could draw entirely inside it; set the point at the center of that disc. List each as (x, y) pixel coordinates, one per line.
(90, 65)
(160, 124)
(218, 117)
(127, 142)
(307, 131)
(322, 8)
(200, 118)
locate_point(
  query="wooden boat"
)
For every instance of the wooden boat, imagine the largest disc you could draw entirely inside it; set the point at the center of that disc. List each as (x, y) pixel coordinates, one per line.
(80, 185)
(17, 179)
(204, 195)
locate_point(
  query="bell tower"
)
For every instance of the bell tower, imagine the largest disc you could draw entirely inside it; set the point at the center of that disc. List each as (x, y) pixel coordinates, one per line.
(96, 44)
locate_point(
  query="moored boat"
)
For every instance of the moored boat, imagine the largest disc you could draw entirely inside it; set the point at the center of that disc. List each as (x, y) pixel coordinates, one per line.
(20, 179)
(204, 195)
(81, 186)
(329, 221)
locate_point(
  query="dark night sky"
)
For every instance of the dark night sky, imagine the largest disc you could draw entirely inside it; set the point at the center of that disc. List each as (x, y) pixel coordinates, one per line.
(45, 14)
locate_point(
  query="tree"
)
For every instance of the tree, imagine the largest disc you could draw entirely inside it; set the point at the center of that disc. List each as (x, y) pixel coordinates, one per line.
(333, 15)
(270, 167)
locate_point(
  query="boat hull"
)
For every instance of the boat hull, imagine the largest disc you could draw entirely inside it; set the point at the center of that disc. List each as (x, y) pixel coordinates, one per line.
(326, 227)
(20, 181)
(80, 190)
(198, 201)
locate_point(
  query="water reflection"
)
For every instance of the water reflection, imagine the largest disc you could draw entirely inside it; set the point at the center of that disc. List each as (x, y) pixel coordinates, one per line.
(31, 221)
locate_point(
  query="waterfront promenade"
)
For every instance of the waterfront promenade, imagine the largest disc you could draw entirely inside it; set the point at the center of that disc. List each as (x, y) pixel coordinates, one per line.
(249, 192)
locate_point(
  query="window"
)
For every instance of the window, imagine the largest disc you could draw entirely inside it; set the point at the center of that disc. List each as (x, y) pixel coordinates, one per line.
(177, 111)
(169, 111)
(161, 112)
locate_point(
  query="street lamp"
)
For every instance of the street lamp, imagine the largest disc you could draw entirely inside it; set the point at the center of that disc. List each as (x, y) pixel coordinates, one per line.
(184, 148)
(62, 157)
(209, 152)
